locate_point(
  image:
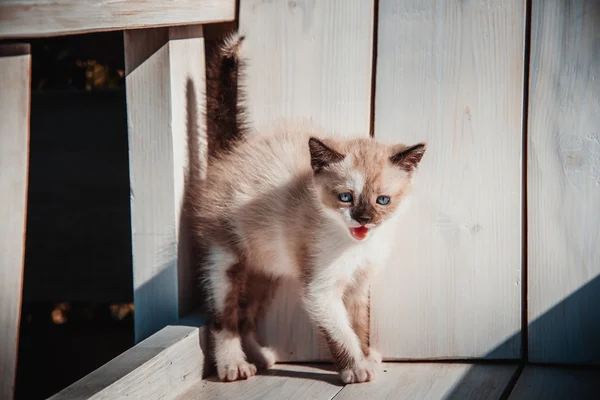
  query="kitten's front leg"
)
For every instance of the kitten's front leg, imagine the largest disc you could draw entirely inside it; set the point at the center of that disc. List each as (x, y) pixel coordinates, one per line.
(325, 305)
(356, 300)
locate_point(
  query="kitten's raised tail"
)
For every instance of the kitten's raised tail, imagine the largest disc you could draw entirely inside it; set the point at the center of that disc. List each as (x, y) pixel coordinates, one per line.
(225, 114)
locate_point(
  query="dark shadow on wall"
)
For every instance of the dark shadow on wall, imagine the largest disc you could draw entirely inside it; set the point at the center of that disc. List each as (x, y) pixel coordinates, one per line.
(572, 326)
(78, 219)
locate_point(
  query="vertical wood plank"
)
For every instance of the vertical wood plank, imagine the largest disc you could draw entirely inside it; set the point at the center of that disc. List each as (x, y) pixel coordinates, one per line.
(564, 182)
(165, 82)
(15, 96)
(451, 73)
(307, 59)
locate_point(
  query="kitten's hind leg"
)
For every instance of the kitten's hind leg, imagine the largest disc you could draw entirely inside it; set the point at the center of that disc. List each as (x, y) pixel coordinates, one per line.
(263, 357)
(225, 281)
(258, 294)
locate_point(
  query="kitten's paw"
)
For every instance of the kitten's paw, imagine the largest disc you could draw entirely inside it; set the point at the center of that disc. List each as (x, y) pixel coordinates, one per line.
(374, 356)
(363, 371)
(268, 357)
(263, 357)
(234, 371)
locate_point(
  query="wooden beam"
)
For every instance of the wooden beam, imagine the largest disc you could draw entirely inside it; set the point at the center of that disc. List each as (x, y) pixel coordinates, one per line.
(307, 60)
(163, 366)
(15, 81)
(165, 85)
(563, 177)
(38, 18)
(451, 73)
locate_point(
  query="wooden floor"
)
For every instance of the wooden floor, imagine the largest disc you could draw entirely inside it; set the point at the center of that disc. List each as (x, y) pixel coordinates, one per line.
(171, 364)
(409, 381)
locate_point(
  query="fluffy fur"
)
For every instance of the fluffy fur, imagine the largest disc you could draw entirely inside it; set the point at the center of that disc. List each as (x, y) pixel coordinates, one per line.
(270, 209)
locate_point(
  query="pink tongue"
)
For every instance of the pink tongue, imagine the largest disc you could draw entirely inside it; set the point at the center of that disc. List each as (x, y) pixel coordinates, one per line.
(360, 232)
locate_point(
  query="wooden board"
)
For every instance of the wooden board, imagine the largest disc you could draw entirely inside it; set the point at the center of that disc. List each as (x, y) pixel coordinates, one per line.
(165, 82)
(554, 383)
(15, 84)
(451, 73)
(162, 366)
(36, 18)
(306, 59)
(564, 183)
(434, 381)
(293, 382)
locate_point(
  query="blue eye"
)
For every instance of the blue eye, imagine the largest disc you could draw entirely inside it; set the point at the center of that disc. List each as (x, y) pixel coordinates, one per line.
(383, 200)
(345, 197)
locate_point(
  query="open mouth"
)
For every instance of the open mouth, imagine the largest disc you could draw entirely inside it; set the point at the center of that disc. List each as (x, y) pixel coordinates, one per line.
(359, 233)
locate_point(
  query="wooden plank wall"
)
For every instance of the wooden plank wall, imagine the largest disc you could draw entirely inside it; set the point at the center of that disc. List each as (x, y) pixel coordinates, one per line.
(307, 58)
(451, 73)
(15, 89)
(564, 182)
(165, 83)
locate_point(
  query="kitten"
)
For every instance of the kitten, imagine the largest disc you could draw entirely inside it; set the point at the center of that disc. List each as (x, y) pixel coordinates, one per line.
(295, 204)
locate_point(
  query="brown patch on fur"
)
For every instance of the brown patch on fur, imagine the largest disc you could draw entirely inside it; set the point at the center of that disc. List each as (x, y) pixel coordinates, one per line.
(229, 318)
(247, 301)
(257, 296)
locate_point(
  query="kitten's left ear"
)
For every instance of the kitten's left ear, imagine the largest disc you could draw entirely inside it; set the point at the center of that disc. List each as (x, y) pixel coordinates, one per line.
(408, 158)
(321, 155)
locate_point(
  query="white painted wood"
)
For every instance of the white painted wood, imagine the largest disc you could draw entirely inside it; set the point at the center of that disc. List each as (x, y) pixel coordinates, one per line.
(433, 381)
(293, 382)
(163, 366)
(165, 81)
(451, 73)
(15, 95)
(564, 183)
(36, 18)
(555, 383)
(307, 59)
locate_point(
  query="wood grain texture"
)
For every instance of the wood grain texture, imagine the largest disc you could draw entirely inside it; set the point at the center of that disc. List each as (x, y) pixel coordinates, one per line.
(451, 73)
(15, 81)
(38, 18)
(293, 382)
(165, 82)
(162, 366)
(564, 183)
(307, 59)
(433, 381)
(555, 383)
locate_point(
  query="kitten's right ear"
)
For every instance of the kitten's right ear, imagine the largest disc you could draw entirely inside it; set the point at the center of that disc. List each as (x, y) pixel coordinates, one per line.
(408, 158)
(322, 155)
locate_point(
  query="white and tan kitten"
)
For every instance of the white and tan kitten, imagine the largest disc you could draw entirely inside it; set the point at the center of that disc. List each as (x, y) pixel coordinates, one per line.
(295, 204)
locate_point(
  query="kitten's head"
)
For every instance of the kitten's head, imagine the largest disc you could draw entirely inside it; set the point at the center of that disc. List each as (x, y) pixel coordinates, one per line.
(362, 182)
